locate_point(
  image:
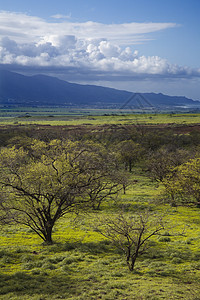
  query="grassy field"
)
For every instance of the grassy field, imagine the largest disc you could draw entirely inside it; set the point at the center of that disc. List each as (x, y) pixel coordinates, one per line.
(66, 116)
(83, 265)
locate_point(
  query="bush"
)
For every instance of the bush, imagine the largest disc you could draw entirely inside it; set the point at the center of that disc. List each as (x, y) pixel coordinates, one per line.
(164, 239)
(55, 259)
(36, 271)
(65, 268)
(196, 255)
(22, 276)
(176, 260)
(27, 266)
(3, 253)
(48, 266)
(196, 266)
(26, 258)
(69, 260)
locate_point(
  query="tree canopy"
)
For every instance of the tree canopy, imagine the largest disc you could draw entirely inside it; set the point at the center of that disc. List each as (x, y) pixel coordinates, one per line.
(183, 183)
(47, 180)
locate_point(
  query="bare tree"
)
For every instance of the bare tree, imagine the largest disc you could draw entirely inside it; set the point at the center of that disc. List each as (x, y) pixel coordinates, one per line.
(131, 233)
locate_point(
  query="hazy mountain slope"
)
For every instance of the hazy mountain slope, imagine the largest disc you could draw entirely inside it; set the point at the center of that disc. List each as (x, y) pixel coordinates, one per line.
(38, 90)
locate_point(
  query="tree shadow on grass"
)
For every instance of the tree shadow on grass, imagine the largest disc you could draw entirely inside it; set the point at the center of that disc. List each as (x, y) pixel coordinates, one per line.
(96, 248)
(104, 246)
(24, 284)
(43, 282)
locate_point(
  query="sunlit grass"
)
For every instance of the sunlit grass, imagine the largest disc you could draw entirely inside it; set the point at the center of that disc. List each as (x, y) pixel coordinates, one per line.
(82, 264)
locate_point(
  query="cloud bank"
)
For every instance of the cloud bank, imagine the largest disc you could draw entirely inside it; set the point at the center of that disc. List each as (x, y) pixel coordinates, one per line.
(89, 48)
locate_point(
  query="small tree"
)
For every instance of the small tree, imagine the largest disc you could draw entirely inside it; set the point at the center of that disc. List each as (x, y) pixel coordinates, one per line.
(131, 233)
(161, 162)
(103, 190)
(183, 183)
(48, 180)
(129, 153)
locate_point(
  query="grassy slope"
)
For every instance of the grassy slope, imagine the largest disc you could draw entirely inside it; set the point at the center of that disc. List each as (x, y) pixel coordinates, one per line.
(84, 265)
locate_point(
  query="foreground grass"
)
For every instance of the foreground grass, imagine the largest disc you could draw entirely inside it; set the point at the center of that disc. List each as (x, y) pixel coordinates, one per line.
(84, 265)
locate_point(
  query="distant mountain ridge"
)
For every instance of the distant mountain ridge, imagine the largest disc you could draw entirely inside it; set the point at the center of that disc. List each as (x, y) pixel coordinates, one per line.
(42, 90)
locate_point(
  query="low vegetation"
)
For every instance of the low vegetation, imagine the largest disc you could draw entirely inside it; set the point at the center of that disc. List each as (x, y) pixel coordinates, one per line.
(63, 116)
(100, 212)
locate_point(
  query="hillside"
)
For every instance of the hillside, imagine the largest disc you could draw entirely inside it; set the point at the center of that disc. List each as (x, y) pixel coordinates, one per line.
(41, 90)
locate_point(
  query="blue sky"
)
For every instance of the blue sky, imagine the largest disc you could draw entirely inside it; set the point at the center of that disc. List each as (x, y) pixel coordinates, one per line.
(137, 45)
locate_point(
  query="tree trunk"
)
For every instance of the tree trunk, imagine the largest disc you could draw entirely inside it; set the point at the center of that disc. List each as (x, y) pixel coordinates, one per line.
(173, 202)
(48, 234)
(130, 166)
(133, 259)
(124, 189)
(135, 255)
(128, 255)
(126, 166)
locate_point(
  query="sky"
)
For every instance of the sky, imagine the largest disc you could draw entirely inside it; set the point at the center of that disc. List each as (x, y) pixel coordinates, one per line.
(134, 45)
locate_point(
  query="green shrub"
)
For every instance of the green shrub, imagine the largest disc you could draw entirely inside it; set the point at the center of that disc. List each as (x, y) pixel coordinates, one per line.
(182, 252)
(65, 268)
(27, 266)
(26, 258)
(69, 246)
(22, 276)
(36, 271)
(157, 265)
(164, 239)
(20, 250)
(154, 253)
(48, 266)
(196, 266)
(176, 260)
(165, 233)
(69, 260)
(55, 259)
(6, 259)
(196, 255)
(3, 253)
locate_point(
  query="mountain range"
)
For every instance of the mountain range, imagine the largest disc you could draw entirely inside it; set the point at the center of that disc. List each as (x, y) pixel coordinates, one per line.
(42, 90)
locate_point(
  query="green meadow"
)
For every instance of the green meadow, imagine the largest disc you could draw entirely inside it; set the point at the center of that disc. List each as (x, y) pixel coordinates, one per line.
(82, 264)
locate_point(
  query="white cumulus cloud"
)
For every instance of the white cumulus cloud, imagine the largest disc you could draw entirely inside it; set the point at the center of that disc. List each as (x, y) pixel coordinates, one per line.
(90, 47)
